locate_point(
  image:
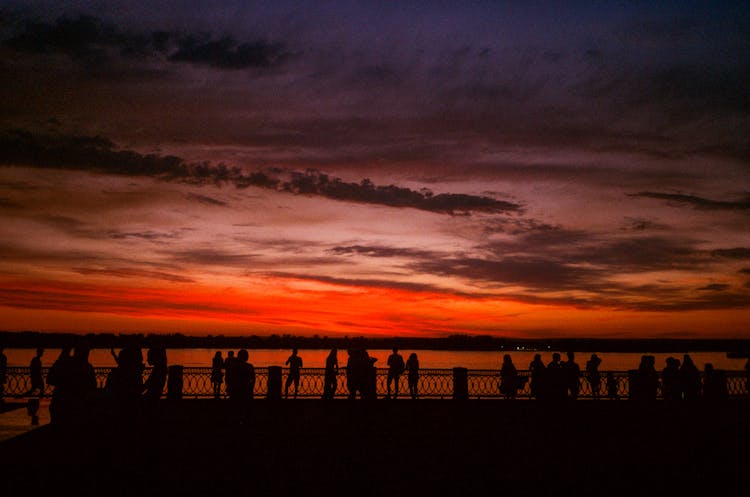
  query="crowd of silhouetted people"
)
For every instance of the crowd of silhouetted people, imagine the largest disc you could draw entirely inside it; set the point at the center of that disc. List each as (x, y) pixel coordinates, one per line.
(361, 374)
(74, 383)
(561, 380)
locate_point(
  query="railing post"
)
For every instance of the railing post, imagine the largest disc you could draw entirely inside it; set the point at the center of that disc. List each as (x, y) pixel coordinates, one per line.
(460, 384)
(174, 382)
(274, 383)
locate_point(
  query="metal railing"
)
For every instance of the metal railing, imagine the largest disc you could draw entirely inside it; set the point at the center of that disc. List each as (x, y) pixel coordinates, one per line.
(433, 383)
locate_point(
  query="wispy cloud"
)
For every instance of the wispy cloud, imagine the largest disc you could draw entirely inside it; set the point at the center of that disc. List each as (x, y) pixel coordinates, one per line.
(125, 272)
(100, 155)
(89, 39)
(697, 202)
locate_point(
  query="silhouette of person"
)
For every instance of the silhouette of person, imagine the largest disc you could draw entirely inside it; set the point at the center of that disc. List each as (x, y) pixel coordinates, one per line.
(35, 374)
(369, 376)
(537, 369)
(58, 367)
(670, 380)
(555, 380)
(240, 383)
(508, 378)
(572, 374)
(125, 382)
(332, 370)
(690, 379)
(295, 363)
(361, 374)
(645, 381)
(228, 363)
(396, 368)
(3, 374)
(351, 373)
(217, 364)
(714, 384)
(154, 385)
(412, 366)
(612, 387)
(75, 384)
(593, 376)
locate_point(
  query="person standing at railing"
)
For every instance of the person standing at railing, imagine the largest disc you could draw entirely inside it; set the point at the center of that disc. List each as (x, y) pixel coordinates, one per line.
(395, 370)
(125, 382)
(154, 385)
(412, 366)
(3, 373)
(572, 374)
(537, 377)
(670, 380)
(593, 376)
(714, 384)
(35, 373)
(59, 366)
(508, 378)
(217, 364)
(295, 364)
(555, 384)
(241, 378)
(690, 379)
(228, 367)
(75, 384)
(332, 371)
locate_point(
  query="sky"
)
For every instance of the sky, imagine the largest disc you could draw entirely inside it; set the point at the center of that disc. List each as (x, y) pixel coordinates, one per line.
(522, 169)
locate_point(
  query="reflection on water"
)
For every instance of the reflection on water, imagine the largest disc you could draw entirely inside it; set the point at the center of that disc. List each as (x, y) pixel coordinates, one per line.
(438, 359)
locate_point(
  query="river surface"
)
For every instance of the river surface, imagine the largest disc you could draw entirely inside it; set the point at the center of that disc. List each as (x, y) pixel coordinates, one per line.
(428, 359)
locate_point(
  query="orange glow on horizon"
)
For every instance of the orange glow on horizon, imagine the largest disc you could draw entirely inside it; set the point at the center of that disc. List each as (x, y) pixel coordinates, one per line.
(289, 305)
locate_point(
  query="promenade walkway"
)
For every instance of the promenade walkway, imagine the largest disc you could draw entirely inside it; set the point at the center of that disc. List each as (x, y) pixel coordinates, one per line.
(15, 419)
(431, 448)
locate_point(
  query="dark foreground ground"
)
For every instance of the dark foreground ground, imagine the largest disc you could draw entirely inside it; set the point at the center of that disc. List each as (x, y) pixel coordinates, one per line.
(402, 448)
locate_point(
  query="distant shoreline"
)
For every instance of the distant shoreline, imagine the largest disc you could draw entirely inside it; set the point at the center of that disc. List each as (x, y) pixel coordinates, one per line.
(30, 339)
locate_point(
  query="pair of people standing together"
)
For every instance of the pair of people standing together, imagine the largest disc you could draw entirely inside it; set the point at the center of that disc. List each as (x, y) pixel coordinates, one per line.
(396, 368)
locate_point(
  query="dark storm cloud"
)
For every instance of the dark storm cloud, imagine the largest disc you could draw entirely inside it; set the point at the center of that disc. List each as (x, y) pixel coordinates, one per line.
(97, 154)
(697, 202)
(91, 40)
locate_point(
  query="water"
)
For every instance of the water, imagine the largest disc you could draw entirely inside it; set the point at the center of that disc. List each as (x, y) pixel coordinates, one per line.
(428, 359)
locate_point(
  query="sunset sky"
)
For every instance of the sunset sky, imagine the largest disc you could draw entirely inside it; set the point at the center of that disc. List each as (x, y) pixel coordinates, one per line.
(524, 169)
